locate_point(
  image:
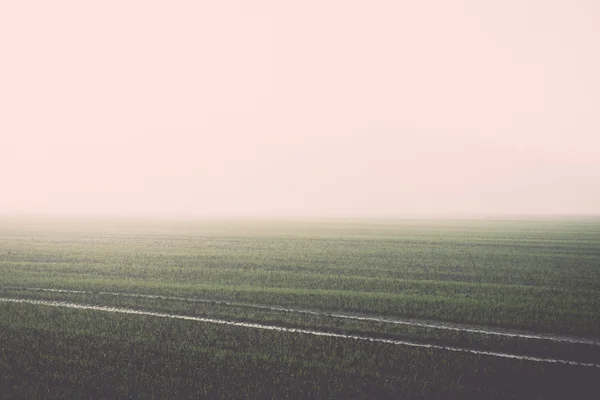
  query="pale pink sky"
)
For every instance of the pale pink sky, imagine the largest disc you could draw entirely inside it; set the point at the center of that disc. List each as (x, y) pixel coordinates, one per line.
(300, 108)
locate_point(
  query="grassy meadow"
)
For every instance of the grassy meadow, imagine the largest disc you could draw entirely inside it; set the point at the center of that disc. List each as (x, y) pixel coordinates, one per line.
(538, 276)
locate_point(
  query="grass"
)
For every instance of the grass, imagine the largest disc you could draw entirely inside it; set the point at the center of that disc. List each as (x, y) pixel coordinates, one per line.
(70, 352)
(539, 275)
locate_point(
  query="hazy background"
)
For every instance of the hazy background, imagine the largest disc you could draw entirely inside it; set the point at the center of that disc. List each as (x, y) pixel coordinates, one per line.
(299, 108)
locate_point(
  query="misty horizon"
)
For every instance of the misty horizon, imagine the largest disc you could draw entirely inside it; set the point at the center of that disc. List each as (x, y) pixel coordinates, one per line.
(342, 109)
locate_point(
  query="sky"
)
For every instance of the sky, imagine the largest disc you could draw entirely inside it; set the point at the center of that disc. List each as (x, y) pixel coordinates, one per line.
(341, 108)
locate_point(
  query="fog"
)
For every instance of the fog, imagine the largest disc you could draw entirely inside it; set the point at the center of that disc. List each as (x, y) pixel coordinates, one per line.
(300, 108)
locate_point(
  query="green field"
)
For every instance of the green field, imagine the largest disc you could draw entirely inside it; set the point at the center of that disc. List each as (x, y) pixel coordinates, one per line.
(520, 288)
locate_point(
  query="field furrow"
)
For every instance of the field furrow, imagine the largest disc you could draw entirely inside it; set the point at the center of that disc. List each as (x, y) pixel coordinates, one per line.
(292, 330)
(485, 330)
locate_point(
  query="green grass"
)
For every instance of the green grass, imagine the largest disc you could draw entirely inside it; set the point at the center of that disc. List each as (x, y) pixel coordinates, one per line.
(328, 323)
(540, 275)
(72, 352)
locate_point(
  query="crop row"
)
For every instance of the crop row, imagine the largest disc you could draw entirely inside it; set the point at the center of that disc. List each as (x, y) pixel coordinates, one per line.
(75, 352)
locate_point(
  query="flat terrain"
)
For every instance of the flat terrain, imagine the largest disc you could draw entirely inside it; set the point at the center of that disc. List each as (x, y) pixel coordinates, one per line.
(307, 309)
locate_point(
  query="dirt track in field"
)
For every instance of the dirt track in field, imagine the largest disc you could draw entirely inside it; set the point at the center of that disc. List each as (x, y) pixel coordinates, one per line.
(484, 330)
(291, 330)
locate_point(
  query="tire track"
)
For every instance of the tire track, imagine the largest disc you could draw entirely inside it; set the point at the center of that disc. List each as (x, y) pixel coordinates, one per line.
(292, 330)
(350, 316)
